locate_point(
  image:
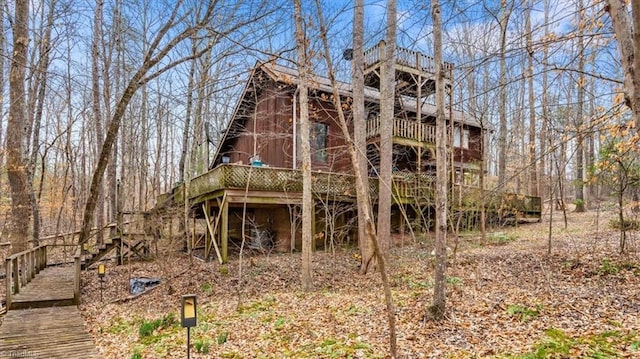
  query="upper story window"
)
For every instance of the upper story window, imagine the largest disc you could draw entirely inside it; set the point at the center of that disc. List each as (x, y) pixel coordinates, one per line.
(461, 137)
(319, 142)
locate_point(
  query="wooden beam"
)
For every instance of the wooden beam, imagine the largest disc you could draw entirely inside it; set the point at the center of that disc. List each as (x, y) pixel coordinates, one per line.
(224, 230)
(212, 235)
(7, 280)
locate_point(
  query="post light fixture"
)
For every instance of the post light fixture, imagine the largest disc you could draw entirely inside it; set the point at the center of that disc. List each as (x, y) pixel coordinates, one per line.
(188, 317)
(101, 273)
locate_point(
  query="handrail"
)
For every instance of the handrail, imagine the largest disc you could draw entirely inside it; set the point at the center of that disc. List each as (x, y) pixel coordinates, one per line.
(31, 261)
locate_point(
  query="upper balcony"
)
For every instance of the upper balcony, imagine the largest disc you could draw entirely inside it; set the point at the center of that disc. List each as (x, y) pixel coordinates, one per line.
(406, 132)
(415, 72)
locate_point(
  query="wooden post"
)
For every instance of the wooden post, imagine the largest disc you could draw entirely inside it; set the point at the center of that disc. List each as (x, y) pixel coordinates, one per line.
(22, 273)
(76, 280)
(44, 257)
(15, 266)
(36, 260)
(32, 264)
(28, 266)
(224, 229)
(7, 280)
(208, 235)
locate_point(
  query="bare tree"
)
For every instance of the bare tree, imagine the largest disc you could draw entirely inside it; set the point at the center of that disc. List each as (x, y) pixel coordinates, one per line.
(172, 33)
(505, 13)
(533, 170)
(307, 200)
(16, 164)
(387, 100)
(359, 133)
(437, 309)
(362, 185)
(625, 27)
(579, 121)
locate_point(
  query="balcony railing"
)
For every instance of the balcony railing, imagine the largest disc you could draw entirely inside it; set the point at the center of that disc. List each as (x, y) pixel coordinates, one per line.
(406, 57)
(412, 130)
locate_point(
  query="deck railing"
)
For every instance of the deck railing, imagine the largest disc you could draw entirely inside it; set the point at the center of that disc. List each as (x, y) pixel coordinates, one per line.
(405, 57)
(406, 187)
(412, 130)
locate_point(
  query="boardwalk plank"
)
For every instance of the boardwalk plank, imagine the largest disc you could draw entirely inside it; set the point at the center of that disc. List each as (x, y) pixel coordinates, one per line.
(56, 332)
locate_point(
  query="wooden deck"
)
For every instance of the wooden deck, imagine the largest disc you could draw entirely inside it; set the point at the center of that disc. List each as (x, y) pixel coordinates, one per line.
(53, 286)
(56, 332)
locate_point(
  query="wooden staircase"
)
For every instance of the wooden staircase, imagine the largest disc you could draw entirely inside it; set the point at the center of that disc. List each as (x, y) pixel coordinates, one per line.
(126, 247)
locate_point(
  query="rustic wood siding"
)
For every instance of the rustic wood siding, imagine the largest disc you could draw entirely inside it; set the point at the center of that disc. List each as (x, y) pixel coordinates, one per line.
(273, 125)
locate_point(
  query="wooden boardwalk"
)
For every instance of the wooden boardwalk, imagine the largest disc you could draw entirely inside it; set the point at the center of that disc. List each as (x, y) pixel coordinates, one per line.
(52, 287)
(43, 320)
(55, 332)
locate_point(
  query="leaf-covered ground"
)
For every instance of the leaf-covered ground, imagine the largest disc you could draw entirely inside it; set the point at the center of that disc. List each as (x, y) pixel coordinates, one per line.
(506, 299)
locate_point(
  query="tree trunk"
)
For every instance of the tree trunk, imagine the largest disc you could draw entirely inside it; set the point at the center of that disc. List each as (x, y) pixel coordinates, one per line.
(20, 209)
(626, 31)
(362, 185)
(502, 109)
(43, 66)
(387, 98)
(3, 55)
(187, 117)
(359, 131)
(579, 183)
(305, 126)
(158, 51)
(533, 170)
(96, 108)
(544, 147)
(437, 309)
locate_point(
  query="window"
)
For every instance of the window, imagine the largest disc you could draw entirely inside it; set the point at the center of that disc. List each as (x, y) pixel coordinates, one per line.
(319, 141)
(460, 137)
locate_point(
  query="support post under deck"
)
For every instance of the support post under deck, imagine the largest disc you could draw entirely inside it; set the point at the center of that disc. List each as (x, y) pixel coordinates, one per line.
(224, 229)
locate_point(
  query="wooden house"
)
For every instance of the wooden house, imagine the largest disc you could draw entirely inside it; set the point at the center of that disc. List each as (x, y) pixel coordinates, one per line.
(254, 186)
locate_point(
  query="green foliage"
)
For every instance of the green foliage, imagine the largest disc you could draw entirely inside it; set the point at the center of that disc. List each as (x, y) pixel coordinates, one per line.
(206, 288)
(334, 348)
(202, 346)
(608, 268)
(224, 270)
(557, 344)
(119, 325)
(136, 354)
(148, 329)
(222, 337)
(501, 238)
(264, 305)
(355, 310)
(454, 281)
(279, 323)
(524, 313)
(627, 225)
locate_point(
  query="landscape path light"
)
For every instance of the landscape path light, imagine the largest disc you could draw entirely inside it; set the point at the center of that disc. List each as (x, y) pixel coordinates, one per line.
(188, 317)
(101, 273)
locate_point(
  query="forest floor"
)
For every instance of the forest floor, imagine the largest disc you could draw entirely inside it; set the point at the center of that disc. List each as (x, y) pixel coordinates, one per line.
(506, 299)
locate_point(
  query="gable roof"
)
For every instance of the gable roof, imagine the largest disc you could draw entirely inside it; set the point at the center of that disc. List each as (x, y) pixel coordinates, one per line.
(288, 76)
